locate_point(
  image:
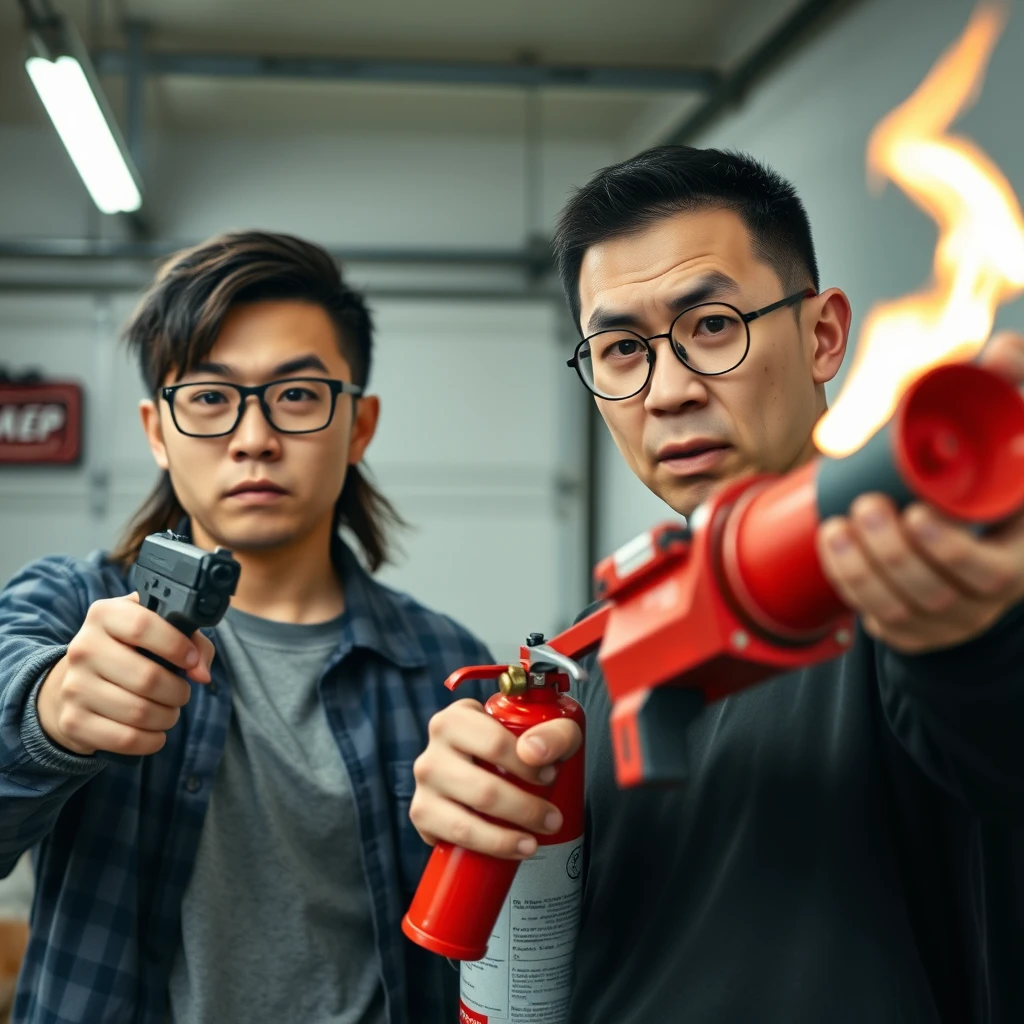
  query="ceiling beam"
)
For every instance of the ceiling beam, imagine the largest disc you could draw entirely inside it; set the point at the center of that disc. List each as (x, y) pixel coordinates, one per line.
(83, 250)
(44, 285)
(412, 72)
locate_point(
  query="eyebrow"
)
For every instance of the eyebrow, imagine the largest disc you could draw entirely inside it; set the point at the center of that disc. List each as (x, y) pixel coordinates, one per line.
(308, 362)
(709, 286)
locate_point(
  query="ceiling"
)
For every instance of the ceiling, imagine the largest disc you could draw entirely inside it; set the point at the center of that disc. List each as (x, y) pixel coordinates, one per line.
(675, 34)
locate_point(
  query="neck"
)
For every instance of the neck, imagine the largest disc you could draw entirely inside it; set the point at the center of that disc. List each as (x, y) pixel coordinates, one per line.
(808, 451)
(805, 455)
(294, 582)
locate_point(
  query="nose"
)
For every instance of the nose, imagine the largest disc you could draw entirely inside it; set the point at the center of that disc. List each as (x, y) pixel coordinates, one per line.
(673, 385)
(254, 437)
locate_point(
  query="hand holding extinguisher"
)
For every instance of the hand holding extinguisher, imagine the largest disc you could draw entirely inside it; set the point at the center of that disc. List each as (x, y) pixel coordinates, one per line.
(692, 612)
(513, 924)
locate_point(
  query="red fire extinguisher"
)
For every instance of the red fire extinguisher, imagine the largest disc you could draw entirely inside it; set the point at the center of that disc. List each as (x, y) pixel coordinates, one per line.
(513, 924)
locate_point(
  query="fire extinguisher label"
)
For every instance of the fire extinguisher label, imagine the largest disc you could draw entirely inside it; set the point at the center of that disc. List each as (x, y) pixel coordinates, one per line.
(526, 975)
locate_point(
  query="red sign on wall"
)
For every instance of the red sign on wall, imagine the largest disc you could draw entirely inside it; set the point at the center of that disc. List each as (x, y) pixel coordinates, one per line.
(40, 423)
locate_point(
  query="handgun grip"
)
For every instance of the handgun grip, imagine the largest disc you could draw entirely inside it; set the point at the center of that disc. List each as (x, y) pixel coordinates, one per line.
(161, 661)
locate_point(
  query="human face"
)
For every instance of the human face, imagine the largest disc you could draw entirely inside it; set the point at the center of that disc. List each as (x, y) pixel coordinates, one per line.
(685, 434)
(290, 482)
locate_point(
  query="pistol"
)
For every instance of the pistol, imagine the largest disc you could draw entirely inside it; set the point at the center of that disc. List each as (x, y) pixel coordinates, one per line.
(189, 587)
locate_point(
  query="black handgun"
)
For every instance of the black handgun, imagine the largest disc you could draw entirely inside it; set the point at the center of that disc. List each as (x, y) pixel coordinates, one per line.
(189, 587)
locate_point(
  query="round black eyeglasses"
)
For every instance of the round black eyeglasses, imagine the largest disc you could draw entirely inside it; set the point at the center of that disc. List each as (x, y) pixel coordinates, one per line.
(710, 339)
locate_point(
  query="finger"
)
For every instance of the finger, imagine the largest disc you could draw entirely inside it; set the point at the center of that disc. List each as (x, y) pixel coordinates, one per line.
(985, 568)
(888, 546)
(1004, 354)
(549, 742)
(207, 652)
(117, 704)
(455, 824)
(465, 727)
(139, 627)
(93, 732)
(450, 775)
(860, 585)
(123, 666)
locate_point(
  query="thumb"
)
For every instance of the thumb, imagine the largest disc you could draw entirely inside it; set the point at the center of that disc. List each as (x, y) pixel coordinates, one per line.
(549, 742)
(1004, 355)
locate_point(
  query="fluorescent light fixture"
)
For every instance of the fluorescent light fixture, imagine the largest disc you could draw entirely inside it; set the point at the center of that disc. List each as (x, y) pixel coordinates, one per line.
(72, 106)
(64, 78)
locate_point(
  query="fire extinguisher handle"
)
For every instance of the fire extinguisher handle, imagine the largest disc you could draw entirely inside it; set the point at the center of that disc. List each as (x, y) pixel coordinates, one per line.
(546, 659)
(461, 675)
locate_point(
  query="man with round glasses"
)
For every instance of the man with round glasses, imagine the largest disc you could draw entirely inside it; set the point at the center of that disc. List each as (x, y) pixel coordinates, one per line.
(850, 844)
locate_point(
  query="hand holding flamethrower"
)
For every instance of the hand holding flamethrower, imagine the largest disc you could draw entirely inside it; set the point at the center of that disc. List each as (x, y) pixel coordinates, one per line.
(693, 614)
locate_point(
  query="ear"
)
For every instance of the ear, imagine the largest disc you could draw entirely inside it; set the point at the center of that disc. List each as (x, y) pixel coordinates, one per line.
(150, 416)
(829, 332)
(364, 426)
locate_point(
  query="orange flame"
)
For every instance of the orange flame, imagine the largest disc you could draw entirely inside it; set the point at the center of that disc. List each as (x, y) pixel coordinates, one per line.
(979, 258)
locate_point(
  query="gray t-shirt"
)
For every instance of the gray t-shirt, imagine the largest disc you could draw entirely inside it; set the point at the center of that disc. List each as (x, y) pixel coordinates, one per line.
(276, 919)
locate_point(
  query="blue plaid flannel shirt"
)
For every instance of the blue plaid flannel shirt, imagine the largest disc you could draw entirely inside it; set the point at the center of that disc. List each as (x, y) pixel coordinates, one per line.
(114, 838)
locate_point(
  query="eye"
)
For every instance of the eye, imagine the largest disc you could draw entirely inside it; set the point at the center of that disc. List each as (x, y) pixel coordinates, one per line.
(626, 347)
(208, 398)
(714, 324)
(620, 348)
(298, 394)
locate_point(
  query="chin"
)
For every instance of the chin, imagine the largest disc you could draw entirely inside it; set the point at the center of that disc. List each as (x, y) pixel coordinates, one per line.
(262, 541)
(253, 533)
(685, 496)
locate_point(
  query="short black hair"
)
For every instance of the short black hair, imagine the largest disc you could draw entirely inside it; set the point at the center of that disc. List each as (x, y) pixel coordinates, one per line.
(668, 179)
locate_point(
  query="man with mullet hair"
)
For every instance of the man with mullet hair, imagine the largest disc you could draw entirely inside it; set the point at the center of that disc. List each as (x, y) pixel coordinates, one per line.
(245, 855)
(849, 847)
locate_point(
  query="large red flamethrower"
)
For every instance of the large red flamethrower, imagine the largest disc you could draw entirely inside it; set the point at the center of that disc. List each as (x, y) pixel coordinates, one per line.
(693, 612)
(743, 597)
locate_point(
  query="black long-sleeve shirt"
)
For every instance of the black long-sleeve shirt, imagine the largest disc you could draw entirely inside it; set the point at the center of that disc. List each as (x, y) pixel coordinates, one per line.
(849, 849)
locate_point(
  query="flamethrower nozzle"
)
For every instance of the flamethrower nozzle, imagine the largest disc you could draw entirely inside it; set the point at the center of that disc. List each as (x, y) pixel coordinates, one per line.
(961, 443)
(956, 443)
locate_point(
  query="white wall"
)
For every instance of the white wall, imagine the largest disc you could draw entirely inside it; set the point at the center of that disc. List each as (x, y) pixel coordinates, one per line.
(811, 122)
(479, 442)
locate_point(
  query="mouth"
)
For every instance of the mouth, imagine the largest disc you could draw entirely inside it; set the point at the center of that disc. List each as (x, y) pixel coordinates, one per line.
(691, 458)
(256, 491)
